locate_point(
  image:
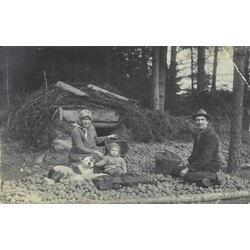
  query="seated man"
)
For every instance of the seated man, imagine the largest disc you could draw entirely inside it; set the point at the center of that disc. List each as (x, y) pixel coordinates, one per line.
(203, 166)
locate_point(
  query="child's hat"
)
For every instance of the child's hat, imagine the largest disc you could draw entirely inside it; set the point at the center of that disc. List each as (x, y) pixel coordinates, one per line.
(114, 145)
(85, 113)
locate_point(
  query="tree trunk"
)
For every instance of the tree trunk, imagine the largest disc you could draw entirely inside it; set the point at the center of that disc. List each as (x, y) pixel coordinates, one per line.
(163, 75)
(173, 68)
(246, 118)
(7, 78)
(247, 70)
(172, 88)
(144, 62)
(216, 49)
(156, 77)
(234, 159)
(201, 74)
(107, 63)
(52, 65)
(192, 68)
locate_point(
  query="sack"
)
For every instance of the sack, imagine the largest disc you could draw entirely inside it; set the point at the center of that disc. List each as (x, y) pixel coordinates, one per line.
(133, 179)
(117, 182)
(108, 182)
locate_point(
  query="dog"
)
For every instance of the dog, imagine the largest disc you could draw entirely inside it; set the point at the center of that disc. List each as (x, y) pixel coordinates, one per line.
(85, 168)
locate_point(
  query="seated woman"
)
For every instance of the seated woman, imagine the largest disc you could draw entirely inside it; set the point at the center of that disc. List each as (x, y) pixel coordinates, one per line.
(85, 140)
(113, 163)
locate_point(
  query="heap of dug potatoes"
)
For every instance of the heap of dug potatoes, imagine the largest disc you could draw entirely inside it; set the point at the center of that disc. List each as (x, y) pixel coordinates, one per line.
(140, 159)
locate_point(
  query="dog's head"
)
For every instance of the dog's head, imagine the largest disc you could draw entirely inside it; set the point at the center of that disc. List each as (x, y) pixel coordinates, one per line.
(88, 162)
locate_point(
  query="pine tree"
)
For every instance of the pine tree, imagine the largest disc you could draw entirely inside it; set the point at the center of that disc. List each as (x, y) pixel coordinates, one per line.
(156, 78)
(163, 75)
(216, 49)
(234, 159)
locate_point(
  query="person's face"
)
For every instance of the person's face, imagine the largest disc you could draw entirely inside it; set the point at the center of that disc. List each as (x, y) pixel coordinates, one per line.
(201, 122)
(114, 152)
(86, 121)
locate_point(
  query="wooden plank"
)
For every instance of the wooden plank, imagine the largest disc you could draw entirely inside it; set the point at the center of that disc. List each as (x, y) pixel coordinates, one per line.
(69, 88)
(91, 86)
(180, 199)
(105, 124)
(99, 117)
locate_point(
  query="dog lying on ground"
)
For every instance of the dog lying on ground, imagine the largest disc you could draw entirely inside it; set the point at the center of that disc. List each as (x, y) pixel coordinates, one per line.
(61, 173)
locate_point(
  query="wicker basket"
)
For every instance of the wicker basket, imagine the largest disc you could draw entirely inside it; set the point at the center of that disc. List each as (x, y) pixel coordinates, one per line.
(121, 142)
(165, 162)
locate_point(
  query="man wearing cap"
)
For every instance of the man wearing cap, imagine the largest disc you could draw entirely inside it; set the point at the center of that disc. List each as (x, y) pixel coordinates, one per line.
(84, 139)
(203, 165)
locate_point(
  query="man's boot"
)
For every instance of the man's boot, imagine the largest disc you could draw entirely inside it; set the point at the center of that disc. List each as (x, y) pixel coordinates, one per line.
(206, 182)
(221, 179)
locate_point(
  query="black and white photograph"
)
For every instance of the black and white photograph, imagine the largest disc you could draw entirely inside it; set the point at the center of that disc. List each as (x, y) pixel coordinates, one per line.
(124, 124)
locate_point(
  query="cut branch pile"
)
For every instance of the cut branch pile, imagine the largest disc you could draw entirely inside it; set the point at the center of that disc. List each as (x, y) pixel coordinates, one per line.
(34, 120)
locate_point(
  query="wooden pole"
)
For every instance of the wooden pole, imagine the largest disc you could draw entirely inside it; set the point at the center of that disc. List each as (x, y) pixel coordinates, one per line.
(180, 199)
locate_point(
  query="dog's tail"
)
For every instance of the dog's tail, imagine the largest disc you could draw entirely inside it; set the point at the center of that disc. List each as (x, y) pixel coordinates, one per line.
(57, 176)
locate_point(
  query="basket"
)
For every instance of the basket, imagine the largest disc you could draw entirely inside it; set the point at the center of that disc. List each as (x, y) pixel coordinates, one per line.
(121, 142)
(165, 162)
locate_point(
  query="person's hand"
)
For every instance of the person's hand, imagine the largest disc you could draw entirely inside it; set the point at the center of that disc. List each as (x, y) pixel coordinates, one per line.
(184, 164)
(184, 171)
(181, 165)
(112, 136)
(100, 154)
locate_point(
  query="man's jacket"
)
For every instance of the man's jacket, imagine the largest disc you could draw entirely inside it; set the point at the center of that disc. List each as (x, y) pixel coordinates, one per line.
(205, 152)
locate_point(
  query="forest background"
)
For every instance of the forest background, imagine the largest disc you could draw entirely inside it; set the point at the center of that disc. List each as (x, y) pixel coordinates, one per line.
(178, 80)
(220, 24)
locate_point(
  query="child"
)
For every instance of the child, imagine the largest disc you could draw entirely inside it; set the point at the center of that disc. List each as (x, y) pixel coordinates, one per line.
(113, 163)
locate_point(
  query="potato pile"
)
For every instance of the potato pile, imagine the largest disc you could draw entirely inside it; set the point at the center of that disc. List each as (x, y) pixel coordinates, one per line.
(36, 189)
